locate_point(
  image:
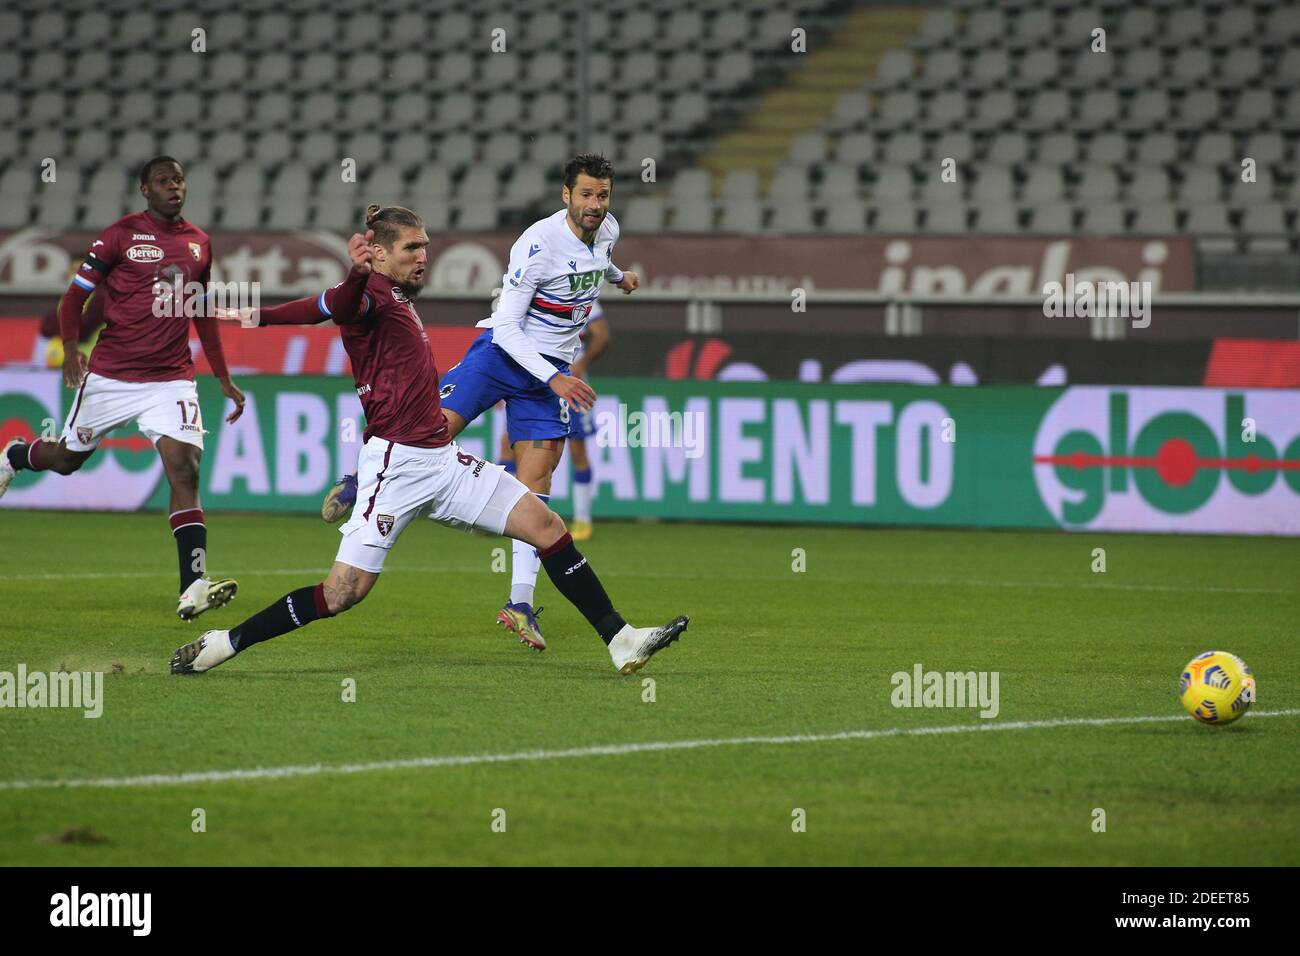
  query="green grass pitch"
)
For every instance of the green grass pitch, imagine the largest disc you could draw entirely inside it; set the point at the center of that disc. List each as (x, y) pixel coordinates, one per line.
(771, 652)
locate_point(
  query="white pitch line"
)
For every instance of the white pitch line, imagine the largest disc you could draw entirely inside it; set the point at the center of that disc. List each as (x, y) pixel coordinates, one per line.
(651, 573)
(606, 750)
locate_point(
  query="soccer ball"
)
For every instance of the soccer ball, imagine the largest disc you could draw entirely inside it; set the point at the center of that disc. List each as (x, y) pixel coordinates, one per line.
(1217, 687)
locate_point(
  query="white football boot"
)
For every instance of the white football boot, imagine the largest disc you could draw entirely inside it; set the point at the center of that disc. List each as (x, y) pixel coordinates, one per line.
(207, 652)
(203, 595)
(633, 646)
(7, 471)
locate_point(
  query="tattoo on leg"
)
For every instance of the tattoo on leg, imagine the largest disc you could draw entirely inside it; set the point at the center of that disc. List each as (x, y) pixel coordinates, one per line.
(341, 592)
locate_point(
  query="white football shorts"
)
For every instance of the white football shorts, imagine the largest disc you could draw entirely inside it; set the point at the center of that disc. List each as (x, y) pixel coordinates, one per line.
(395, 483)
(158, 408)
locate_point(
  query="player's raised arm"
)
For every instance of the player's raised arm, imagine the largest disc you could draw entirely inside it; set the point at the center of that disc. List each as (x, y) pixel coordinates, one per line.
(341, 304)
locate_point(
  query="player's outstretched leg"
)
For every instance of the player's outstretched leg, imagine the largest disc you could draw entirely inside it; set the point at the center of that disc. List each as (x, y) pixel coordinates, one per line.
(345, 587)
(629, 647)
(39, 455)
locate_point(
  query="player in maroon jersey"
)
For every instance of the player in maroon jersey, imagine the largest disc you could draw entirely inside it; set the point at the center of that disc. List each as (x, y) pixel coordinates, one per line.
(409, 463)
(140, 369)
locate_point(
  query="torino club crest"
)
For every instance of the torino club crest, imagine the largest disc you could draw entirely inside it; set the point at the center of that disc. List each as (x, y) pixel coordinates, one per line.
(384, 523)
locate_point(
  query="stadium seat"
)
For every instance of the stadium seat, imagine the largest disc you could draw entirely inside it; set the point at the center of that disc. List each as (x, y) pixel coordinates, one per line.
(1155, 219)
(691, 215)
(896, 109)
(999, 219)
(1184, 26)
(903, 149)
(476, 217)
(742, 216)
(958, 145)
(741, 185)
(1208, 219)
(1057, 149)
(837, 182)
(893, 69)
(948, 219)
(1036, 69)
(1198, 109)
(985, 28)
(1042, 184)
(892, 184)
(1054, 218)
(996, 108)
(1096, 184)
(789, 180)
(1150, 109)
(990, 68)
(1149, 185)
(937, 28)
(732, 71)
(896, 217)
(1155, 149)
(941, 68)
(644, 214)
(852, 109)
(1254, 108)
(1259, 192)
(946, 110)
(809, 147)
(1088, 70)
(1200, 184)
(1103, 219)
(993, 183)
(846, 217)
(936, 191)
(1008, 148)
(856, 147)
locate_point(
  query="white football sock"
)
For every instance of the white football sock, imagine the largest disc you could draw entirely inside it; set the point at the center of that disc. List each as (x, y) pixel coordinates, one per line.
(524, 565)
(582, 499)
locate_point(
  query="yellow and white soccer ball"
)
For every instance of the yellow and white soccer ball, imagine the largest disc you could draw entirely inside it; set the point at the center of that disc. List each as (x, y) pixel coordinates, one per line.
(1217, 687)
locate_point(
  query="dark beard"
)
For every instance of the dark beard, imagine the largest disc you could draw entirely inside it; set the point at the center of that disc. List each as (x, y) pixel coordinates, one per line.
(410, 291)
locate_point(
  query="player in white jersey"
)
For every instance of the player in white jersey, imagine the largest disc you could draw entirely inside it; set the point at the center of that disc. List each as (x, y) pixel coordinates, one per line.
(556, 272)
(595, 339)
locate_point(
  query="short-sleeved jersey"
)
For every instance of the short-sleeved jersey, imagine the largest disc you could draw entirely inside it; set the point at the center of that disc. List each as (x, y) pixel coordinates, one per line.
(131, 263)
(563, 277)
(392, 365)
